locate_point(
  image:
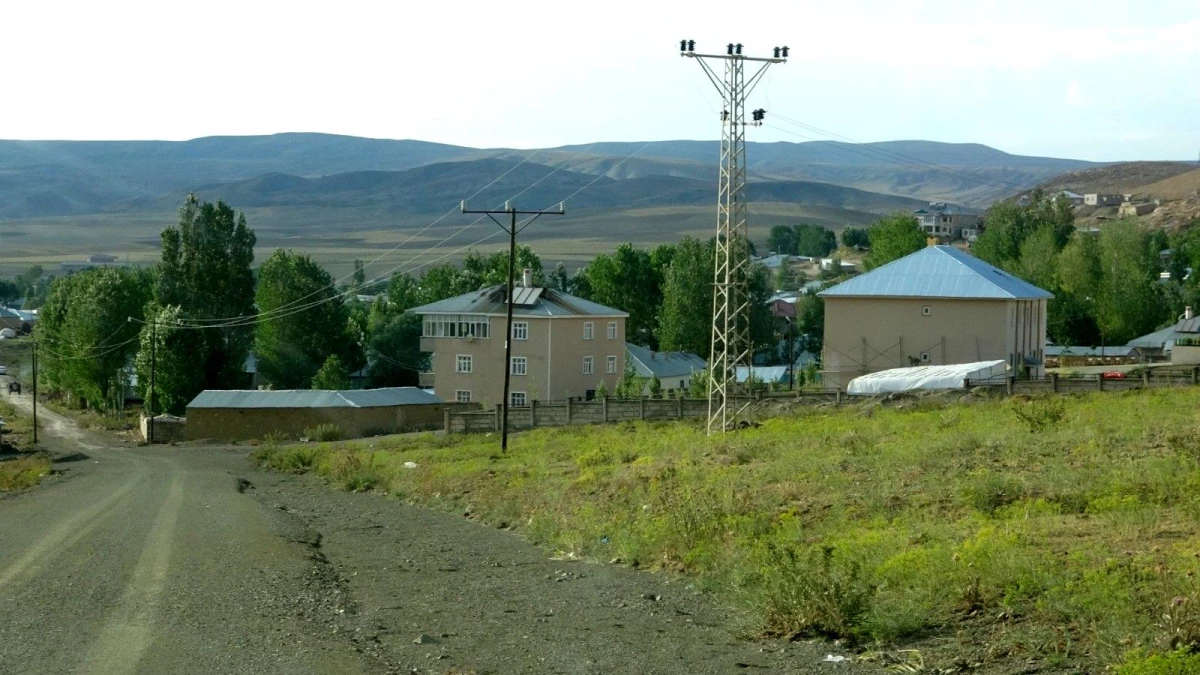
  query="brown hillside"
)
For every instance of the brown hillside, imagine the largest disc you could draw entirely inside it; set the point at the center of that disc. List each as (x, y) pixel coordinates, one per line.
(1181, 186)
(1122, 178)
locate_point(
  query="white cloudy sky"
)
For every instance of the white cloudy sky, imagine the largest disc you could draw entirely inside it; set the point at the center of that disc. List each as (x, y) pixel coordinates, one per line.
(1101, 79)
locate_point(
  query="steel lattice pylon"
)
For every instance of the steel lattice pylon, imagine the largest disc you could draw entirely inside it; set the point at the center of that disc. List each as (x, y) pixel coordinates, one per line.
(731, 346)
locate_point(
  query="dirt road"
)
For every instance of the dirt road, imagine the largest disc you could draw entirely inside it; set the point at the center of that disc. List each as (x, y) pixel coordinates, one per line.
(188, 559)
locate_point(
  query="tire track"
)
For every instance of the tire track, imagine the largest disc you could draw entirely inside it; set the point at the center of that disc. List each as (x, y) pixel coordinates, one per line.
(66, 534)
(128, 632)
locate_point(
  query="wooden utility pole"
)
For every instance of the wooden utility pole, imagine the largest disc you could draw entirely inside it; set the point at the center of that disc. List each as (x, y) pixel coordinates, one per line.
(513, 231)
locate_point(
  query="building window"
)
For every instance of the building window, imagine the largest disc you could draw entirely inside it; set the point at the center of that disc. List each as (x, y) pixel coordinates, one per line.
(925, 310)
(520, 330)
(519, 365)
(610, 364)
(924, 357)
(612, 330)
(587, 365)
(463, 363)
(462, 396)
(456, 326)
(588, 328)
(517, 399)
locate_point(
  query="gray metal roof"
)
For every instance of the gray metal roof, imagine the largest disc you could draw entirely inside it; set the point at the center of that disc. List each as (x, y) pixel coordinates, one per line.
(663, 365)
(1166, 337)
(937, 272)
(306, 398)
(1111, 351)
(491, 301)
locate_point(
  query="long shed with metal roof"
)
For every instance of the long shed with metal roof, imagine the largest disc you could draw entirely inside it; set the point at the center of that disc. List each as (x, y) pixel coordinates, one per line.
(937, 306)
(235, 415)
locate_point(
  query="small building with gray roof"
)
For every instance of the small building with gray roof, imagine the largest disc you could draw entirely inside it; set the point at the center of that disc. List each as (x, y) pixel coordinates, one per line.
(937, 306)
(674, 370)
(562, 346)
(238, 415)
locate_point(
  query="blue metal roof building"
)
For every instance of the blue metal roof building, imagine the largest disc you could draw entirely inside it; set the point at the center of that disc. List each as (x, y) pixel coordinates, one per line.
(936, 306)
(938, 272)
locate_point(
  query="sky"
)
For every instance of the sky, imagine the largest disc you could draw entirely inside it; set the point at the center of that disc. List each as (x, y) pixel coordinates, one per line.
(1101, 80)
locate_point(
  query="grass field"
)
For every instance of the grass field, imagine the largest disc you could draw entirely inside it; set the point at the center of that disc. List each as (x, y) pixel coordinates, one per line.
(949, 528)
(335, 237)
(25, 469)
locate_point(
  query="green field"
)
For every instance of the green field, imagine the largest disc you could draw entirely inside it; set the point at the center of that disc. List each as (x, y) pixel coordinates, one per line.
(949, 528)
(335, 237)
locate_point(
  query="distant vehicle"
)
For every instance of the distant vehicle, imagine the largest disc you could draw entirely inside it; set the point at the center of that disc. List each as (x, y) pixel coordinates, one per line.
(3, 370)
(1114, 375)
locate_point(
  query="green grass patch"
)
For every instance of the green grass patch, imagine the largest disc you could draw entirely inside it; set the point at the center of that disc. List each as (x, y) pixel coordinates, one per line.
(23, 473)
(1058, 533)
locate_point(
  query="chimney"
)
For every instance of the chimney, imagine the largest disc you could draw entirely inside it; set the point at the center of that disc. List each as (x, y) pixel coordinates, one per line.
(527, 278)
(1188, 313)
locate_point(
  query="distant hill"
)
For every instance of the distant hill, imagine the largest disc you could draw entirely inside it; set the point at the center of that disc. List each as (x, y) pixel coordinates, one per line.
(1180, 186)
(431, 189)
(63, 178)
(1121, 178)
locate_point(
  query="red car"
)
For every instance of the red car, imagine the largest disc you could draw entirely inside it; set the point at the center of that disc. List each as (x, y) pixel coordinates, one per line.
(1114, 375)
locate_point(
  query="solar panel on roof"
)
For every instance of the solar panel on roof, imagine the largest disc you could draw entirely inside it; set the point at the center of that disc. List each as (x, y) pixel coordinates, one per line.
(525, 297)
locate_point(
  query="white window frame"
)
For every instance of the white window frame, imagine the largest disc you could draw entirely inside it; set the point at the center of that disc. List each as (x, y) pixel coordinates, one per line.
(522, 362)
(589, 365)
(460, 359)
(520, 330)
(610, 364)
(612, 330)
(473, 326)
(589, 330)
(512, 399)
(462, 395)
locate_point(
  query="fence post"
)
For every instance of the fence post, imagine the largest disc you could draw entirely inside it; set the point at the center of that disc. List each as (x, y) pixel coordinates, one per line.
(679, 405)
(1195, 374)
(446, 419)
(604, 407)
(1008, 384)
(496, 418)
(1054, 382)
(1099, 381)
(533, 413)
(837, 396)
(568, 410)
(642, 408)
(1146, 377)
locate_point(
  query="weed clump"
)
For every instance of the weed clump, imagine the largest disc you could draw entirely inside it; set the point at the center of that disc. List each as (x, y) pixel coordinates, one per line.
(324, 433)
(1040, 414)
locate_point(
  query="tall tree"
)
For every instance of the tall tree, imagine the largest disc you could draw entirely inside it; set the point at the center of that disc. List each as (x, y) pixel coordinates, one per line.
(782, 239)
(893, 237)
(292, 345)
(332, 375)
(685, 323)
(813, 240)
(205, 271)
(89, 335)
(856, 237)
(165, 359)
(626, 279)
(1009, 224)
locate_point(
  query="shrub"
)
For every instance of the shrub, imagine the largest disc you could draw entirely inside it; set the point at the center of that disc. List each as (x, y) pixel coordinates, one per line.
(1180, 662)
(324, 433)
(275, 438)
(1040, 414)
(815, 592)
(353, 472)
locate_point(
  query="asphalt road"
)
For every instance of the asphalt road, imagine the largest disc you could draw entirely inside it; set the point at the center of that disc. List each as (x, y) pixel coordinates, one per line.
(190, 560)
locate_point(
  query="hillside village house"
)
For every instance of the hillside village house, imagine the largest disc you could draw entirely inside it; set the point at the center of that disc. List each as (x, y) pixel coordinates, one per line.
(674, 370)
(946, 221)
(563, 346)
(937, 306)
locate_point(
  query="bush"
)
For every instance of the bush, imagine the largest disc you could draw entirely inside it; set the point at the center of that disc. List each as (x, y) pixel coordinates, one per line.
(324, 433)
(1040, 414)
(275, 438)
(815, 592)
(1180, 662)
(353, 472)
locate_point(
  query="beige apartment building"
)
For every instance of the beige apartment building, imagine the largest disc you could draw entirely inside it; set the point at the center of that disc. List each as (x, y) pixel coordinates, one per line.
(563, 346)
(937, 306)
